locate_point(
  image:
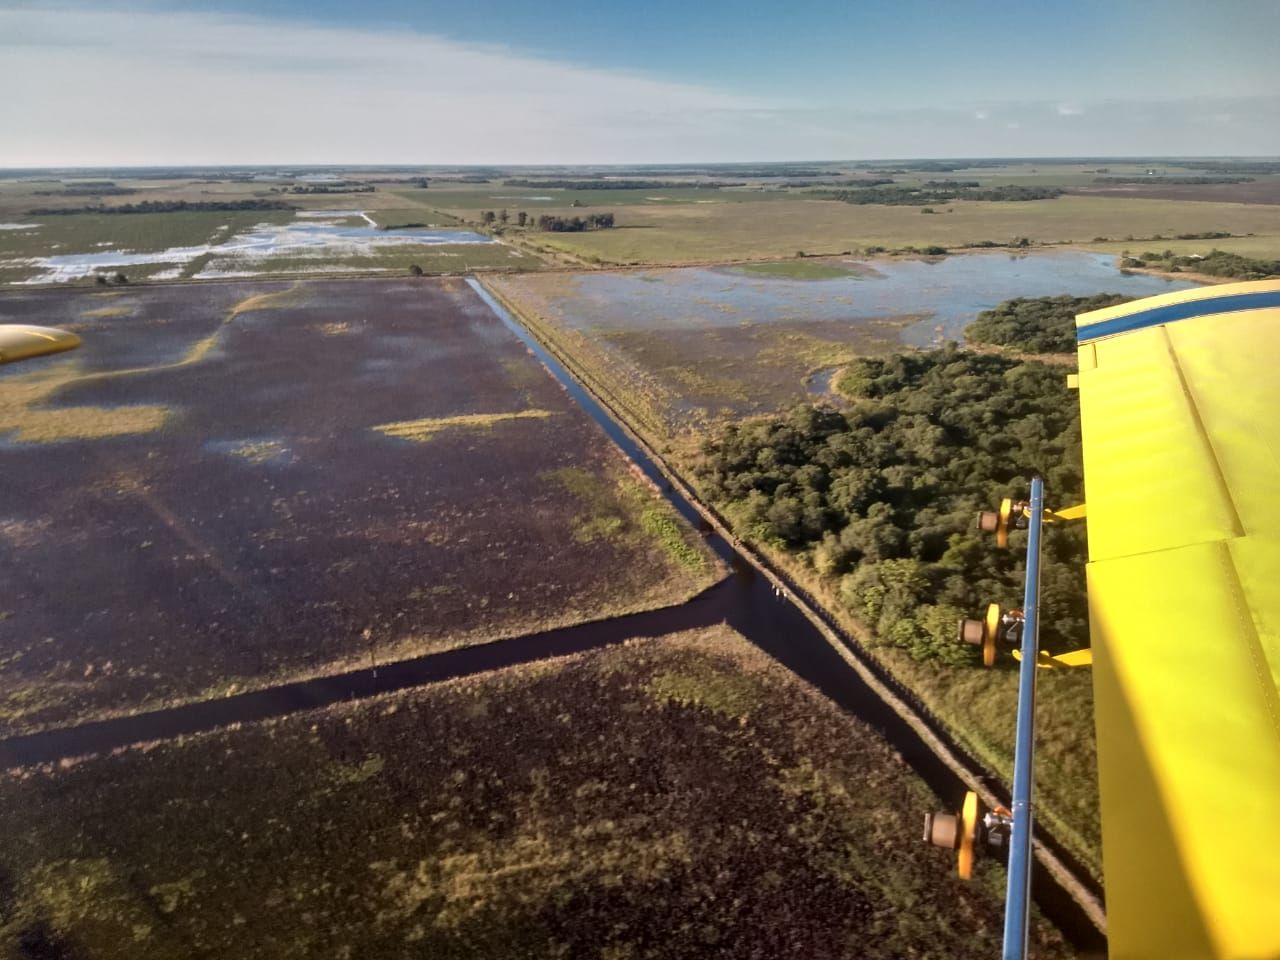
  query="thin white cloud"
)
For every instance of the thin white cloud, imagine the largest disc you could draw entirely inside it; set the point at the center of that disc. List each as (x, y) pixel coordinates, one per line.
(88, 86)
(108, 87)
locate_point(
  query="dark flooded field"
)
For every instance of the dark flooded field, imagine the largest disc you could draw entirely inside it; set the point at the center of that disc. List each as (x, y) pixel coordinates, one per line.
(233, 484)
(678, 797)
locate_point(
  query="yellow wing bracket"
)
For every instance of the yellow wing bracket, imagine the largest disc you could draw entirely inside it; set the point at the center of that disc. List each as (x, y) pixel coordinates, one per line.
(1073, 658)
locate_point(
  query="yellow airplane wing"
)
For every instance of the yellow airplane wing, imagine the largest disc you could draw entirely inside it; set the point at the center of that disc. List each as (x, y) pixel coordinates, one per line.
(20, 341)
(1180, 406)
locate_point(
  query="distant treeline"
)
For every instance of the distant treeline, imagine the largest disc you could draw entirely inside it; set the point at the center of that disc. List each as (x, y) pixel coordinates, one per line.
(593, 221)
(619, 184)
(1216, 263)
(167, 206)
(332, 188)
(1188, 181)
(861, 184)
(1262, 167)
(913, 196)
(1037, 324)
(842, 182)
(88, 190)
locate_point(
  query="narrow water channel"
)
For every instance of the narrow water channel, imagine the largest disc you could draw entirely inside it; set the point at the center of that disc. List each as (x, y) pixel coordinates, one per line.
(777, 626)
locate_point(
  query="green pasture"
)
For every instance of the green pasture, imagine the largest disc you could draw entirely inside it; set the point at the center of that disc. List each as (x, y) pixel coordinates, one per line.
(139, 232)
(690, 233)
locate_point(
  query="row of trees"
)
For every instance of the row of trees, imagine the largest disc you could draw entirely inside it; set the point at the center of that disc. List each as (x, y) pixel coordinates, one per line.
(880, 499)
(169, 206)
(1216, 263)
(332, 188)
(592, 221)
(900, 195)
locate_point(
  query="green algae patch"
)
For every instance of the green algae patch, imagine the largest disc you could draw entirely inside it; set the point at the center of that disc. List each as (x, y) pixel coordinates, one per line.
(726, 693)
(420, 431)
(624, 511)
(796, 270)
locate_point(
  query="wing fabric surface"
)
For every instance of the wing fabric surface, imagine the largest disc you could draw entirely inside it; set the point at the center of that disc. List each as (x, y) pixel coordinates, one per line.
(1180, 408)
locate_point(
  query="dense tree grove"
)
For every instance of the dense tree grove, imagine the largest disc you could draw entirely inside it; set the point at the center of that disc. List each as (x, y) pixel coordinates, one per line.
(593, 221)
(1216, 263)
(1037, 324)
(169, 206)
(939, 192)
(881, 499)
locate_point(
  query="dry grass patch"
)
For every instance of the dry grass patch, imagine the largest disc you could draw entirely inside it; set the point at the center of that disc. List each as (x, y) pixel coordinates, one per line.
(420, 431)
(22, 416)
(106, 312)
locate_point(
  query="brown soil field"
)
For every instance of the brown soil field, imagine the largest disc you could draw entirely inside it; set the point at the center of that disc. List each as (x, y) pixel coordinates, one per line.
(233, 484)
(679, 797)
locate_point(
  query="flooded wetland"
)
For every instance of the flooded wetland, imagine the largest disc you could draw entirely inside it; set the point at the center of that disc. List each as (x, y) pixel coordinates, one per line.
(690, 345)
(234, 485)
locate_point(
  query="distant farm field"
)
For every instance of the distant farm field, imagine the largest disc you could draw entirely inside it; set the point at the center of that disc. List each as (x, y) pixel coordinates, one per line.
(231, 484)
(694, 233)
(674, 798)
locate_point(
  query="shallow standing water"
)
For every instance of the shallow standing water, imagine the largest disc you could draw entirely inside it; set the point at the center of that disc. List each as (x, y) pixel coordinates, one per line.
(949, 291)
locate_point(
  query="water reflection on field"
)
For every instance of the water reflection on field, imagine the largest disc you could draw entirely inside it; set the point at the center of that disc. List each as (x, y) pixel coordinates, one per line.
(946, 294)
(320, 234)
(695, 344)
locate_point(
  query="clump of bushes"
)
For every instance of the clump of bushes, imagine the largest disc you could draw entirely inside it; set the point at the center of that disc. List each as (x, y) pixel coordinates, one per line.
(880, 499)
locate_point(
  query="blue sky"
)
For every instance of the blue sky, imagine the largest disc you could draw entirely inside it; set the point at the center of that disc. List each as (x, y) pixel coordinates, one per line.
(599, 82)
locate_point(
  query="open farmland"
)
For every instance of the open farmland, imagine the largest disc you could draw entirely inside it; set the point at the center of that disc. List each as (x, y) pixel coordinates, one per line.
(78, 237)
(236, 483)
(679, 349)
(674, 798)
(679, 233)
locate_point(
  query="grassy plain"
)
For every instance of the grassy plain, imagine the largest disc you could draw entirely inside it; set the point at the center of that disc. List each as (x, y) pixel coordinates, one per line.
(469, 199)
(202, 499)
(682, 797)
(701, 233)
(97, 233)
